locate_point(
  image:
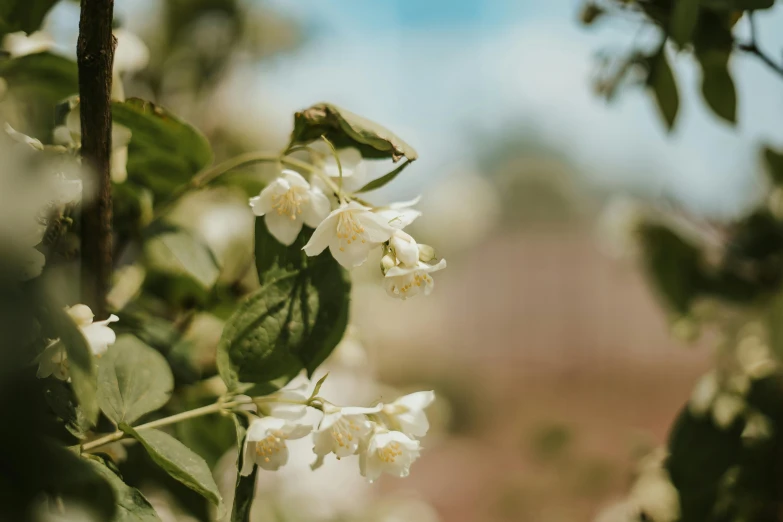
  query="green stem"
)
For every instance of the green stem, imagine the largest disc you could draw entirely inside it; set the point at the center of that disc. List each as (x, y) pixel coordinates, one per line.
(179, 417)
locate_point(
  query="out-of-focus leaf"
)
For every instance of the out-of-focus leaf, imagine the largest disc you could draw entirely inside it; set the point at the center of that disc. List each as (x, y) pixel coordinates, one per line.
(717, 87)
(245, 488)
(590, 13)
(210, 436)
(673, 264)
(50, 75)
(175, 250)
(753, 5)
(292, 322)
(685, 16)
(720, 476)
(178, 461)
(164, 151)
(346, 129)
(131, 504)
(23, 15)
(383, 180)
(664, 87)
(133, 380)
(774, 160)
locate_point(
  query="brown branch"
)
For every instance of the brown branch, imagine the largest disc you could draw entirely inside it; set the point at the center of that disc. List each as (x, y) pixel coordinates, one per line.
(753, 47)
(95, 54)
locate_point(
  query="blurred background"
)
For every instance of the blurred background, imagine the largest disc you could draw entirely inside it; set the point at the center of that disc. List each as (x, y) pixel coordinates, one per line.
(554, 363)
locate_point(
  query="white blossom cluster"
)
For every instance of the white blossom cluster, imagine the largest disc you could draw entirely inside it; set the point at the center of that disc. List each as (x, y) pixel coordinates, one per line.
(349, 228)
(385, 436)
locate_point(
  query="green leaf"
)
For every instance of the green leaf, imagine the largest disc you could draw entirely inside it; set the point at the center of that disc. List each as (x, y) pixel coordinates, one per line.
(774, 160)
(664, 87)
(164, 151)
(346, 129)
(133, 380)
(178, 461)
(271, 253)
(47, 74)
(383, 180)
(131, 504)
(674, 265)
(685, 16)
(171, 249)
(23, 15)
(292, 322)
(717, 85)
(80, 362)
(246, 486)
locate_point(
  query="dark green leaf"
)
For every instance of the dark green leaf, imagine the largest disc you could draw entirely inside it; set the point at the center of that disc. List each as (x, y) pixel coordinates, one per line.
(80, 362)
(685, 16)
(292, 322)
(664, 87)
(271, 253)
(383, 180)
(131, 504)
(774, 160)
(717, 85)
(674, 265)
(178, 461)
(164, 151)
(133, 380)
(346, 129)
(175, 250)
(51, 75)
(23, 15)
(721, 477)
(246, 486)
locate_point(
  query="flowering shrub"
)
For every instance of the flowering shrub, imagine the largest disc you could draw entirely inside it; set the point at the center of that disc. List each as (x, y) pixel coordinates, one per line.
(105, 356)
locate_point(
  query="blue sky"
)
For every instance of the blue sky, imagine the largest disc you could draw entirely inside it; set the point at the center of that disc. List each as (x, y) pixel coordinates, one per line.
(438, 72)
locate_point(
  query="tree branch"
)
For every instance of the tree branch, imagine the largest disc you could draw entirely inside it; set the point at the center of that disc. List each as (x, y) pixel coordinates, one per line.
(95, 54)
(753, 47)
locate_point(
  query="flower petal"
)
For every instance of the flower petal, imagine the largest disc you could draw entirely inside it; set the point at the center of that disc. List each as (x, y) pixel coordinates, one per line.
(416, 401)
(323, 234)
(295, 179)
(349, 256)
(316, 209)
(375, 229)
(283, 228)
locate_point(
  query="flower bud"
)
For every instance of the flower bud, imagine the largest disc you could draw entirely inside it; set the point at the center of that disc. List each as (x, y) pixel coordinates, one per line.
(387, 262)
(426, 253)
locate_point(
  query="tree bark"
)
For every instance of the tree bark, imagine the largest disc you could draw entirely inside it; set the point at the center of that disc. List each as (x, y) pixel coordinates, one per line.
(95, 55)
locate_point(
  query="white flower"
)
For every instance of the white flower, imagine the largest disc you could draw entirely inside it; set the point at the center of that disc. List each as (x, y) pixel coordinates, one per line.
(392, 452)
(341, 431)
(20, 44)
(288, 203)
(291, 405)
(19, 137)
(354, 170)
(265, 443)
(404, 282)
(406, 414)
(99, 336)
(405, 248)
(350, 232)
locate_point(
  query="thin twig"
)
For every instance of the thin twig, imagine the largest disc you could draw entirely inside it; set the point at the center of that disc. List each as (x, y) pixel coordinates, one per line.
(752, 47)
